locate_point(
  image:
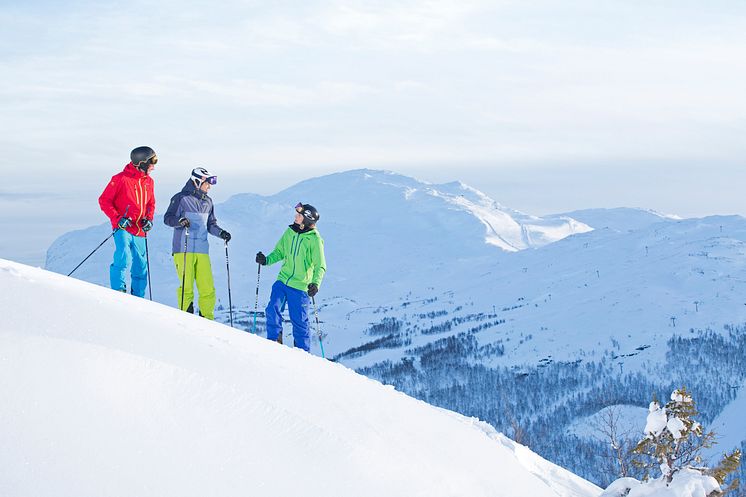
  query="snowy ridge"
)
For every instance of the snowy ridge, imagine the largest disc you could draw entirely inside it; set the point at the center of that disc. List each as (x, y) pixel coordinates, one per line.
(113, 395)
(621, 219)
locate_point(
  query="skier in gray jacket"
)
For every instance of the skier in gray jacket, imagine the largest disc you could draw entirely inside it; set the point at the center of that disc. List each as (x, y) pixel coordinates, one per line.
(191, 210)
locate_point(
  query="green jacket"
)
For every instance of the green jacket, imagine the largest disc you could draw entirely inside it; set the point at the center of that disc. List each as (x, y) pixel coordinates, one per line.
(303, 256)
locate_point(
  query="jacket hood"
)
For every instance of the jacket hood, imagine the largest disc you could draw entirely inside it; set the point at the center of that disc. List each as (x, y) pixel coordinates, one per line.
(191, 189)
(131, 170)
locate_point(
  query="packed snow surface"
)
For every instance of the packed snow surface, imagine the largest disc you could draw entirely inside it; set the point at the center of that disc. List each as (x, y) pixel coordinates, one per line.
(104, 394)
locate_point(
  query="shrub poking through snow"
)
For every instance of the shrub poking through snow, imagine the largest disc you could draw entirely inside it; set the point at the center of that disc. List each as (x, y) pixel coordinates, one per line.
(672, 444)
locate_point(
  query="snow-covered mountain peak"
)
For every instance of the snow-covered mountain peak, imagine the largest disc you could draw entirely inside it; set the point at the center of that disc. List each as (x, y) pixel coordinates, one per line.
(450, 209)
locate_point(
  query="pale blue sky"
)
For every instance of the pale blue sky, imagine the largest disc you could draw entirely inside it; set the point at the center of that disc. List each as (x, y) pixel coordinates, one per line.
(545, 105)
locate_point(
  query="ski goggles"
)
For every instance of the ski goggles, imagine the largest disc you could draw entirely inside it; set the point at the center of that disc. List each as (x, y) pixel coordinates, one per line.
(213, 180)
(299, 207)
(147, 162)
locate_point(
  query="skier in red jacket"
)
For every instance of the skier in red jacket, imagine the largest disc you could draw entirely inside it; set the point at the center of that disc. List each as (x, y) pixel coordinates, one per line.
(128, 201)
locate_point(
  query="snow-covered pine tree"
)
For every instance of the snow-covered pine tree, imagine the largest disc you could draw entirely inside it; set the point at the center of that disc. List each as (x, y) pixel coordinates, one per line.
(673, 439)
(673, 442)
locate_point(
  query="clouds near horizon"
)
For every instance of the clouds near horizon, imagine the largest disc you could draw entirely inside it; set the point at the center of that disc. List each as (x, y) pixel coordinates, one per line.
(287, 85)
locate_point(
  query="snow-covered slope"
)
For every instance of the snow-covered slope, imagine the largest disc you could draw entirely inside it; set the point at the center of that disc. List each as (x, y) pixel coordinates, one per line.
(105, 394)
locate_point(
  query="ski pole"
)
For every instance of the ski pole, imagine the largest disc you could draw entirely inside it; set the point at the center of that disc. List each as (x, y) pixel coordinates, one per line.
(318, 328)
(147, 264)
(256, 302)
(94, 251)
(183, 274)
(100, 244)
(228, 270)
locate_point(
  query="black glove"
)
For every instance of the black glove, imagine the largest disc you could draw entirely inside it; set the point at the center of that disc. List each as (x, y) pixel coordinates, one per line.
(184, 222)
(124, 222)
(261, 259)
(312, 289)
(146, 224)
(225, 236)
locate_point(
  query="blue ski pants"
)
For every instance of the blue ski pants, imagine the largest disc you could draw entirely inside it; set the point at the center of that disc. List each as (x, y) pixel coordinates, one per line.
(297, 302)
(129, 250)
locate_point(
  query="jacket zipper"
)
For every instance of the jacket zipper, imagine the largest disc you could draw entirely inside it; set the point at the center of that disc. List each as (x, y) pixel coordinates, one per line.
(145, 198)
(297, 236)
(137, 199)
(144, 203)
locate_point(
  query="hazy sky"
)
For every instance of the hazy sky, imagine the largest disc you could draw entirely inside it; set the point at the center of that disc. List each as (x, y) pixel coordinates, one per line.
(547, 106)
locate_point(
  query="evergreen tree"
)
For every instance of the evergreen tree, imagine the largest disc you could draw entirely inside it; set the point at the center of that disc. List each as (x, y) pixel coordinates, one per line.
(674, 441)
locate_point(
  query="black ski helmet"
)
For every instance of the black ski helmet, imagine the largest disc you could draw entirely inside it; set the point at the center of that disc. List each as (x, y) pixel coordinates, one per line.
(142, 157)
(309, 213)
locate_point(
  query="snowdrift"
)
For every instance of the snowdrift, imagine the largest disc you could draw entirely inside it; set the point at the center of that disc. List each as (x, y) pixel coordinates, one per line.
(104, 394)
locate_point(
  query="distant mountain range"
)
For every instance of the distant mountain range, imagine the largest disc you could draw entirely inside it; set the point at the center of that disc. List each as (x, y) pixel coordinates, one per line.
(378, 227)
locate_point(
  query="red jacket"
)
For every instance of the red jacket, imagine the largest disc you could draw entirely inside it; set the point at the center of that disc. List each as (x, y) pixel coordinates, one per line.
(130, 191)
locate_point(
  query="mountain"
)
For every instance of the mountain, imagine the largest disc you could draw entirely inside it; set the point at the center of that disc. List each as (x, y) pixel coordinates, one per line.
(106, 394)
(377, 227)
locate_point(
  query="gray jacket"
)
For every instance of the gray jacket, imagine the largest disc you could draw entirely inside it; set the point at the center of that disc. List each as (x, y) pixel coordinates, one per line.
(196, 206)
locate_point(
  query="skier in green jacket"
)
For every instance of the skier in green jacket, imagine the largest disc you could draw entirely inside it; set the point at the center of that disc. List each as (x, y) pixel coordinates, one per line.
(301, 249)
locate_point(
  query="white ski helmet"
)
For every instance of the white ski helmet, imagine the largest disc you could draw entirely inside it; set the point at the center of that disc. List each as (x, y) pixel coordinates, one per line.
(200, 175)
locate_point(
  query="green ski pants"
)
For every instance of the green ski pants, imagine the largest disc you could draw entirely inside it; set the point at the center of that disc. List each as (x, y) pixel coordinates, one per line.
(198, 270)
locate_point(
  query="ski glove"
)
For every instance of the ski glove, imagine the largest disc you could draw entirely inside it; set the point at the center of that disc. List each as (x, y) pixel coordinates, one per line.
(146, 224)
(261, 259)
(312, 289)
(225, 236)
(124, 222)
(184, 222)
